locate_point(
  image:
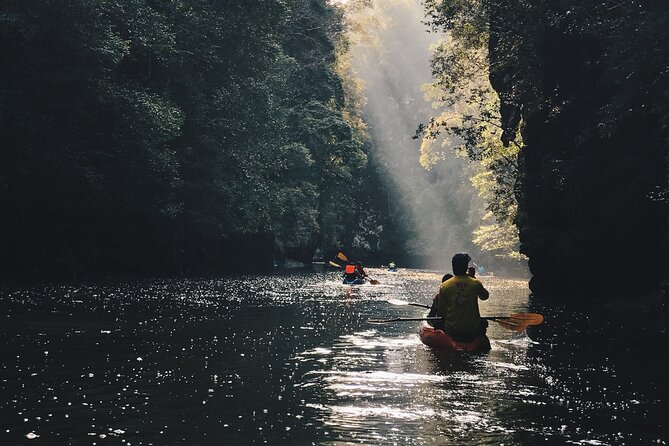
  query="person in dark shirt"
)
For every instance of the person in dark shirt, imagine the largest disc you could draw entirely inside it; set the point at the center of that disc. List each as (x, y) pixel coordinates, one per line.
(433, 309)
(360, 270)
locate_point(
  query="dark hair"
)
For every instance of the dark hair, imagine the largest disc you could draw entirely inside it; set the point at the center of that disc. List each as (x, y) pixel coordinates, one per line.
(358, 263)
(446, 277)
(460, 262)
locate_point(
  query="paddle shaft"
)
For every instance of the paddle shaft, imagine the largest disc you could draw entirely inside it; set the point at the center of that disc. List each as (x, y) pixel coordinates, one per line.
(490, 318)
(517, 316)
(504, 322)
(514, 322)
(404, 319)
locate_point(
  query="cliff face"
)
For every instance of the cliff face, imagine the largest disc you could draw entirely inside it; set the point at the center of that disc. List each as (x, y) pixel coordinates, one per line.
(590, 83)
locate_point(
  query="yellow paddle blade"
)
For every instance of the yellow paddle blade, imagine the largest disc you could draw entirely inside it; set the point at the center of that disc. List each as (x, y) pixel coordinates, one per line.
(527, 318)
(519, 321)
(509, 325)
(336, 265)
(342, 257)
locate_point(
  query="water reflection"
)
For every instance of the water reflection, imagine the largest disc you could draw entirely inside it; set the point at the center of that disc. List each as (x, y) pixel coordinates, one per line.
(381, 385)
(288, 359)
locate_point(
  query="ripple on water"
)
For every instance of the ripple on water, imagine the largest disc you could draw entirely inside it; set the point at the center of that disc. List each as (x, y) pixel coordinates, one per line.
(288, 359)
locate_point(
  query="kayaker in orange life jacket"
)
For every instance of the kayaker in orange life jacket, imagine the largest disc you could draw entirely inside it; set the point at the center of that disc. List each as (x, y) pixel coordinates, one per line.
(351, 272)
(457, 302)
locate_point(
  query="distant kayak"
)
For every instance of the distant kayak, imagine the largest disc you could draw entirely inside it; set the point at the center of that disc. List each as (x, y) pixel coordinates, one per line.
(354, 281)
(440, 340)
(394, 270)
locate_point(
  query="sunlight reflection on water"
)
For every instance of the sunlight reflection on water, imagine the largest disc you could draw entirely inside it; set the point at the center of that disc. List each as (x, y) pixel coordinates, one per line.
(382, 385)
(288, 359)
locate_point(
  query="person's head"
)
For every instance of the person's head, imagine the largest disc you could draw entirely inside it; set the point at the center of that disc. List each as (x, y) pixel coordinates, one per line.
(460, 262)
(359, 263)
(471, 271)
(446, 277)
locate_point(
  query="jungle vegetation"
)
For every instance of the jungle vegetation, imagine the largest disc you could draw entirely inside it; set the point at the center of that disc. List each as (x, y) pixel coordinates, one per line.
(580, 109)
(197, 137)
(175, 136)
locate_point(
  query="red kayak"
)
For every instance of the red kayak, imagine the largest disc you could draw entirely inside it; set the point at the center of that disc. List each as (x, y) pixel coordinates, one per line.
(440, 340)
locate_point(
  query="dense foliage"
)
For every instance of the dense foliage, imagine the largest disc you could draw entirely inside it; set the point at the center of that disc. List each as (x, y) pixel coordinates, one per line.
(171, 136)
(586, 83)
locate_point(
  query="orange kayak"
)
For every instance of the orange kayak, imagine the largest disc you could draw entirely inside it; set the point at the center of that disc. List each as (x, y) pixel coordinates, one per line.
(440, 340)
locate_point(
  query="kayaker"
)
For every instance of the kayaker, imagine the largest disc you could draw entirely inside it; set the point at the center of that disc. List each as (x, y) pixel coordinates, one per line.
(457, 302)
(351, 272)
(392, 266)
(445, 278)
(360, 269)
(433, 309)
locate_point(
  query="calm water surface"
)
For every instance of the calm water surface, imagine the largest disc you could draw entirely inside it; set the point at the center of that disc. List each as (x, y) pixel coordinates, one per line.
(288, 359)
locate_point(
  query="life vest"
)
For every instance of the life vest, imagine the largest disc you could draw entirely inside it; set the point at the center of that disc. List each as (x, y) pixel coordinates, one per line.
(350, 269)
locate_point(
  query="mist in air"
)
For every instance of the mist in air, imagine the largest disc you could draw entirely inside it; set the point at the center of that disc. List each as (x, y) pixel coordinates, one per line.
(434, 207)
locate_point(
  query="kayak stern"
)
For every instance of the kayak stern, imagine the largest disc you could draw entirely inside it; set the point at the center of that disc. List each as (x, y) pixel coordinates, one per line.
(440, 340)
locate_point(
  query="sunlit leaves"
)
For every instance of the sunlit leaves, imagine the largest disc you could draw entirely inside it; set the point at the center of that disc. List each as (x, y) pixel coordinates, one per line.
(470, 120)
(499, 238)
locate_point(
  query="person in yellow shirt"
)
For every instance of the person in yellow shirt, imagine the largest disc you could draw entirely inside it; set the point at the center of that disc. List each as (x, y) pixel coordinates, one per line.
(457, 302)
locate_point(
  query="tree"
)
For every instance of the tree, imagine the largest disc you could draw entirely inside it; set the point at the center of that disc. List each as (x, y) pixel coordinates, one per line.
(584, 83)
(470, 121)
(162, 136)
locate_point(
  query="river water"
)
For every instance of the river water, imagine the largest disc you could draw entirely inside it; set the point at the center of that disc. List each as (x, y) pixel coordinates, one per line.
(288, 359)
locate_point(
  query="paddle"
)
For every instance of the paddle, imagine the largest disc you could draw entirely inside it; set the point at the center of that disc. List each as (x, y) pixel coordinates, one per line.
(514, 319)
(402, 319)
(343, 257)
(527, 318)
(336, 265)
(514, 322)
(517, 321)
(415, 304)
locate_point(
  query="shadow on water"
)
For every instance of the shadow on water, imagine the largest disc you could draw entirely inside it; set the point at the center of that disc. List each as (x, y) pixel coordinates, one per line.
(288, 359)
